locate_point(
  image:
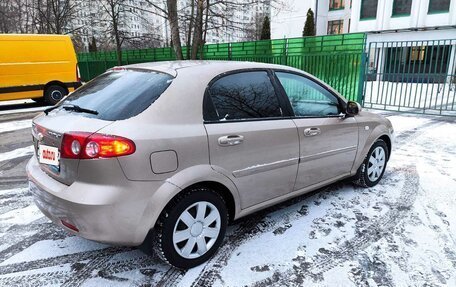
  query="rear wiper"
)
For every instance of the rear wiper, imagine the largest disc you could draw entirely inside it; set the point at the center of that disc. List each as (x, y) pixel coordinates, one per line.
(78, 109)
(71, 107)
(46, 111)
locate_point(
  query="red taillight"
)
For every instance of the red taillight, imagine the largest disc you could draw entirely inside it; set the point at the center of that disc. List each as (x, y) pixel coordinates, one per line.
(82, 145)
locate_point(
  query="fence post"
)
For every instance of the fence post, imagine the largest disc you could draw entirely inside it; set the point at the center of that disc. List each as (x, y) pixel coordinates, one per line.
(229, 52)
(362, 72)
(285, 53)
(88, 71)
(104, 61)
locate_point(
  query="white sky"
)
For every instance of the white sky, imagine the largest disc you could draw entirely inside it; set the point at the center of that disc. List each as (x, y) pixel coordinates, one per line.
(289, 22)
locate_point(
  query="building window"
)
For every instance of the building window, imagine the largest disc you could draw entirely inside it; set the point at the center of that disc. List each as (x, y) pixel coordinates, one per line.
(368, 9)
(402, 7)
(335, 27)
(336, 4)
(439, 6)
(417, 53)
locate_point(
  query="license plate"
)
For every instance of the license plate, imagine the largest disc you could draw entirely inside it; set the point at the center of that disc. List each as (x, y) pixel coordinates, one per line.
(48, 155)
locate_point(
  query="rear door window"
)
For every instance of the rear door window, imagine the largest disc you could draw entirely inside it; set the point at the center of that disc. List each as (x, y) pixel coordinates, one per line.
(120, 94)
(245, 95)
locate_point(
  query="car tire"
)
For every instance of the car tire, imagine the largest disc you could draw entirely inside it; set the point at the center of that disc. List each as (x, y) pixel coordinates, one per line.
(185, 246)
(54, 93)
(373, 167)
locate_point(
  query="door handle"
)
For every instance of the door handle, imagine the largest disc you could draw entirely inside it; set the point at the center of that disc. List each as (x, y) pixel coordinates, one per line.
(230, 140)
(310, 132)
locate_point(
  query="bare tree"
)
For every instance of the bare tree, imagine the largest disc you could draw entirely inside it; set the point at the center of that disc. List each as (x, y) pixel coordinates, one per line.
(174, 27)
(7, 12)
(116, 11)
(199, 17)
(14, 16)
(54, 16)
(198, 29)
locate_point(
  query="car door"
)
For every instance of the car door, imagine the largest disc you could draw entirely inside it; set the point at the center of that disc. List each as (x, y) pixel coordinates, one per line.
(250, 140)
(328, 140)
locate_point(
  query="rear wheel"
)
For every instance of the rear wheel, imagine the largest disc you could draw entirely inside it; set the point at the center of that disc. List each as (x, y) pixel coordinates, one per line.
(191, 228)
(54, 93)
(374, 165)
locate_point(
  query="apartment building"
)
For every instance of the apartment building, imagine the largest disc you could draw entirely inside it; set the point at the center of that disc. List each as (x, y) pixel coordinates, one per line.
(138, 25)
(231, 21)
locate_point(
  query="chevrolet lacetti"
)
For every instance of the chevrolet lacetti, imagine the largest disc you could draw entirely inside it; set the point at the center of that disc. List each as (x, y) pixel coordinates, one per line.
(164, 155)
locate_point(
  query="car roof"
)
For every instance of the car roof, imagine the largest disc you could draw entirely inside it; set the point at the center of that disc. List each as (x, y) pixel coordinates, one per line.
(204, 66)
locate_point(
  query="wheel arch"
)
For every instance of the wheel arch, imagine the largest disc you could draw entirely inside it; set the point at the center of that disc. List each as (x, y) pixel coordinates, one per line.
(56, 83)
(387, 140)
(200, 175)
(222, 191)
(379, 132)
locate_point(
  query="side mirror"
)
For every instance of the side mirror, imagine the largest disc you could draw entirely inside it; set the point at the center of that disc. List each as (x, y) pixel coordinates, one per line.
(353, 108)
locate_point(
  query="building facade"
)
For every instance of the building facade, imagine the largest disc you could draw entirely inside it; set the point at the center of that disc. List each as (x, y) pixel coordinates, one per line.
(412, 37)
(350, 16)
(231, 21)
(139, 26)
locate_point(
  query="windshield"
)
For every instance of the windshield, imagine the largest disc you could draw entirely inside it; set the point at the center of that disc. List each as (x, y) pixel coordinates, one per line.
(120, 94)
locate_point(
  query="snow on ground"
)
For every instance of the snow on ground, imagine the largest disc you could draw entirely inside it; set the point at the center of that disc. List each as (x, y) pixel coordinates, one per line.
(21, 216)
(53, 248)
(17, 125)
(400, 233)
(20, 152)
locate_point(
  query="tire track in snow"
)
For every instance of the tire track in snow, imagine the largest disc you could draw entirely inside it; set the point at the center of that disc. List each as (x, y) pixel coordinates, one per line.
(95, 264)
(252, 226)
(40, 232)
(34, 280)
(372, 232)
(20, 152)
(56, 261)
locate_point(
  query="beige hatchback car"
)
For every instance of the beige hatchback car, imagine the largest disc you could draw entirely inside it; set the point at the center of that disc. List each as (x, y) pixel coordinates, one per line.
(166, 154)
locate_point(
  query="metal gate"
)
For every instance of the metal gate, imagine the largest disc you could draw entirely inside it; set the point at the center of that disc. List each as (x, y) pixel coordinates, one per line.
(411, 76)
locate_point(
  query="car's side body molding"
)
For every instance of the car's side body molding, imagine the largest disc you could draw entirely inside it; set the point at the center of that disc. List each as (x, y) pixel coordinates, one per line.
(327, 153)
(265, 167)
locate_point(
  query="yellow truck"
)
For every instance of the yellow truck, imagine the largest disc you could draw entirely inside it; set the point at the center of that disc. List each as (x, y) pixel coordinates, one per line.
(39, 67)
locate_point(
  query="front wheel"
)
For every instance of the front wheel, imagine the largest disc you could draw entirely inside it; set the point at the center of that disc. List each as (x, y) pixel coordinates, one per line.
(191, 228)
(374, 165)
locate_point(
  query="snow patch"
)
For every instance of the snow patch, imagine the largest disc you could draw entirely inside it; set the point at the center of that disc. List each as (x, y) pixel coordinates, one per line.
(15, 125)
(54, 248)
(14, 190)
(64, 268)
(25, 151)
(21, 216)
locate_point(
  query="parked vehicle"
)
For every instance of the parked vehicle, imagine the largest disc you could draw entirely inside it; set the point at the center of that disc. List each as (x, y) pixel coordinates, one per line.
(167, 154)
(38, 67)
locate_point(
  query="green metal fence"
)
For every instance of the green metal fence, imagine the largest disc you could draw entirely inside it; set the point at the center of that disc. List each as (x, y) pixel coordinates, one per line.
(336, 59)
(412, 76)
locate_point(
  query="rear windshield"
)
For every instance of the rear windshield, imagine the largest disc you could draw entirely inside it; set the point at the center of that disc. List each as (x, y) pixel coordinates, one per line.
(120, 94)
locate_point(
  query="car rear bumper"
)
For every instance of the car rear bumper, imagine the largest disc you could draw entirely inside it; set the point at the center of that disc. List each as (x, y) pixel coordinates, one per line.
(117, 214)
